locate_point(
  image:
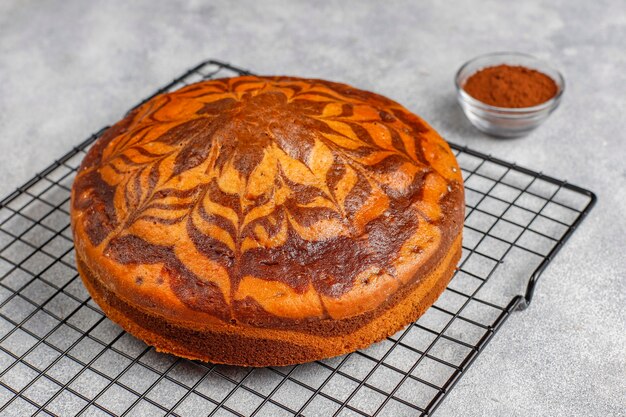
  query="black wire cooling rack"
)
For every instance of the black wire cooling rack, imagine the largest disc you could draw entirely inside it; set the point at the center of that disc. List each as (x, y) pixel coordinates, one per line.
(59, 355)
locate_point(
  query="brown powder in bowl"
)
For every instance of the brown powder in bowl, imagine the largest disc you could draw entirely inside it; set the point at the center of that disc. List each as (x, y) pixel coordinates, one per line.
(510, 86)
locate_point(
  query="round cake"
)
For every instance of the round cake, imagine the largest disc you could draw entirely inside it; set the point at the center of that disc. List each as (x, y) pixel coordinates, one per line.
(265, 221)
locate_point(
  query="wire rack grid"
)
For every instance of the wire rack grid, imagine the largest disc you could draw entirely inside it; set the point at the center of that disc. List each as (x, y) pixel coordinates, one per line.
(59, 354)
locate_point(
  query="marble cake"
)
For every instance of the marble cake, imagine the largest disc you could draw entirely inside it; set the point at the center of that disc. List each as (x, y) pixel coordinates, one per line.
(267, 220)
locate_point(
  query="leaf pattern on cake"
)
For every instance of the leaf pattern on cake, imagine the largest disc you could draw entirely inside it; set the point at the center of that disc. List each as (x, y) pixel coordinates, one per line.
(282, 179)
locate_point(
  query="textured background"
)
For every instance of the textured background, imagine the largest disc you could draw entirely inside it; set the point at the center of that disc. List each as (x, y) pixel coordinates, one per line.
(69, 67)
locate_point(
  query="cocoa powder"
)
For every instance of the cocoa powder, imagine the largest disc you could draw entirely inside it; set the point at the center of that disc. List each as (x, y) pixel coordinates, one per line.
(510, 86)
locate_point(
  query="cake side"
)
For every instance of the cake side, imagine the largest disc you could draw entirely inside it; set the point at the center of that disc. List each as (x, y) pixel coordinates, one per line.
(258, 347)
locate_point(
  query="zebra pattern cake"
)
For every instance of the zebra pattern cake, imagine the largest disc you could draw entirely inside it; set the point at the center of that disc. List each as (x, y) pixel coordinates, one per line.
(267, 220)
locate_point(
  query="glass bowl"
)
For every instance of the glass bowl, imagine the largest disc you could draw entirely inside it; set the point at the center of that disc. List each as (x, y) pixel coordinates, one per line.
(503, 121)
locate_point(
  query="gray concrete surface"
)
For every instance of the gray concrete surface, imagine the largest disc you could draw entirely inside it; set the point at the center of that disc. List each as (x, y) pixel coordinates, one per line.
(69, 67)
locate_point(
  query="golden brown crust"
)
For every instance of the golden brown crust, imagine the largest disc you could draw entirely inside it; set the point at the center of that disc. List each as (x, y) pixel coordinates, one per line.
(266, 205)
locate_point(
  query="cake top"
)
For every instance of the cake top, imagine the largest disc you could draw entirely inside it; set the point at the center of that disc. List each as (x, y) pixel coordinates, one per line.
(266, 197)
